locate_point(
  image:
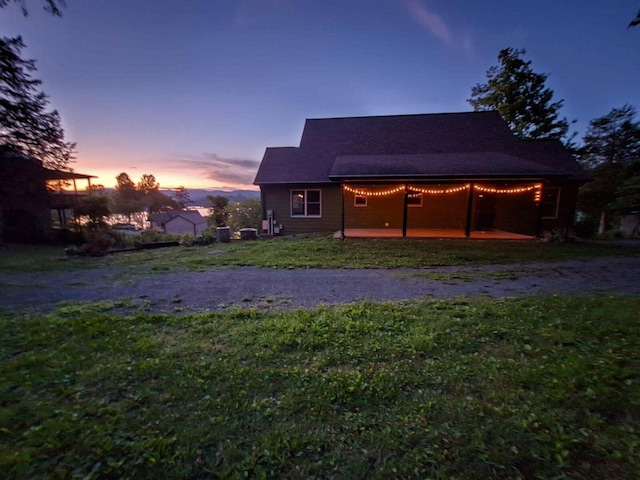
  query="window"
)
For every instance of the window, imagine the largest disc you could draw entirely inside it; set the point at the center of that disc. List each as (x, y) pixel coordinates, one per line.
(414, 199)
(305, 203)
(360, 200)
(550, 201)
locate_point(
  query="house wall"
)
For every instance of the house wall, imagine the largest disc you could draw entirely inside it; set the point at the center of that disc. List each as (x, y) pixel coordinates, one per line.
(277, 198)
(380, 212)
(25, 215)
(440, 211)
(436, 211)
(566, 207)
(516, 213)
(179, 226)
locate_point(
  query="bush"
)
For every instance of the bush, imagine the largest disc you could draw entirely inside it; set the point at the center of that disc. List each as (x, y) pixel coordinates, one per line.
(97, 243)
(586, 228)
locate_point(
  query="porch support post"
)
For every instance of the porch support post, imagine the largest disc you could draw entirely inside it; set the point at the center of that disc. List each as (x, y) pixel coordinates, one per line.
(342, 211)
(404, 211)
(467, 228)
(539, 219)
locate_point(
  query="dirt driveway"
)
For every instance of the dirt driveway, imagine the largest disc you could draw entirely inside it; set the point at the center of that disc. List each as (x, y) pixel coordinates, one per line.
(222, 288)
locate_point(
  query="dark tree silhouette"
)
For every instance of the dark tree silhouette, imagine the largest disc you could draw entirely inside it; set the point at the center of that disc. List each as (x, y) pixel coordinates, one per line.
(94, 206)
(219, 213)
(611, 154)
(54, 7)
(521, 97)
(636, 21)
(25, 123)
(181, 197)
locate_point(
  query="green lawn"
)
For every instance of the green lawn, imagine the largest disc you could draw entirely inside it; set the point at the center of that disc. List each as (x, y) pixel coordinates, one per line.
(314, 252)
(528, 388)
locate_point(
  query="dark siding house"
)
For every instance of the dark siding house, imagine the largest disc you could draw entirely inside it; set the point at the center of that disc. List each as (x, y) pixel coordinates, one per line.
(28, 204)
(449, 174)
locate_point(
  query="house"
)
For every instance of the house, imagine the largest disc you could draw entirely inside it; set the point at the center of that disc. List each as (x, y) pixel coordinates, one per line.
(179, 222)
(449, 174)
(32, 197)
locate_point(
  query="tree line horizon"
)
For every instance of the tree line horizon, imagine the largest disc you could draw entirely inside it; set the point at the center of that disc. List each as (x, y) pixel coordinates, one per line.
(609, 150)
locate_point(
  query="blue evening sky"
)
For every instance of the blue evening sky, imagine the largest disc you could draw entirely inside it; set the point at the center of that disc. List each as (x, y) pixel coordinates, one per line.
(192, 91)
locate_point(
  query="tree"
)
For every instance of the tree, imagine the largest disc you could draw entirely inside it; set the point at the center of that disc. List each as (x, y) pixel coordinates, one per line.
(153, 200)
(54, 7)
(181, 197)
(126, 199)
(247, 213)
(611, 154)
(25, 123)
(134, 199)
(219, 213)
(95, 206)
(520, 96)
(636, 21)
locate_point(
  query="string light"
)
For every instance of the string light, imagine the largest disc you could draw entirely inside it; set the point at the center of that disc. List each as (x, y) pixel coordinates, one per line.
(415, 191)
(480, 188)
(375, 193)
(442, 191)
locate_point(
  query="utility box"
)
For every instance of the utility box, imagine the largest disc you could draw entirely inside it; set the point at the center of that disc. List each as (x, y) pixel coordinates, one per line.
(248, 234)
(223, 234)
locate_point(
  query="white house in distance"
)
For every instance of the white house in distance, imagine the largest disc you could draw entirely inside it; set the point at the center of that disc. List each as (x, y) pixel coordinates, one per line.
(179, 222)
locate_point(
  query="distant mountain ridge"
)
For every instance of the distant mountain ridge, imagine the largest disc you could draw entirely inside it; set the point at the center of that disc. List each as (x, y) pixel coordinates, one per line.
(199, 195)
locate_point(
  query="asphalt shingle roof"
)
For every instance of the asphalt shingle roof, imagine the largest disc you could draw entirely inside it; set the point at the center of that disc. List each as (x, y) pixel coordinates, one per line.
(415, 146)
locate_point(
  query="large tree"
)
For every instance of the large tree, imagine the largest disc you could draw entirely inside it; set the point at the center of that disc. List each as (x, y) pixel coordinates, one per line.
(219, 212)
(25, 122)
(611, 154)
(54, 7)
(246, 213)
(521, 97)
(182, 197)
(95, 206)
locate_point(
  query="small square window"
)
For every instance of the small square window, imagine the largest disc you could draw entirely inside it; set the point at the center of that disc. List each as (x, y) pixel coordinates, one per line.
(360, 200)
(414, 199)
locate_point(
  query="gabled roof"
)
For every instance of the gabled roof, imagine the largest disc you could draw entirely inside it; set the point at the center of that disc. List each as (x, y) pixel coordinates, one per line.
(436, 165)
(24, 161)
(192, 216)
(466, 144)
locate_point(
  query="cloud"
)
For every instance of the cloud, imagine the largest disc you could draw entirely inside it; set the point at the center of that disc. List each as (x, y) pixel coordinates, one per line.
(429, 20)
(225, 171)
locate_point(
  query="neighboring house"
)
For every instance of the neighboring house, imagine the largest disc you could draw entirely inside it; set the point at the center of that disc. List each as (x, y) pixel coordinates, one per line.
(449, 174)
(179, 222)
(28, 200)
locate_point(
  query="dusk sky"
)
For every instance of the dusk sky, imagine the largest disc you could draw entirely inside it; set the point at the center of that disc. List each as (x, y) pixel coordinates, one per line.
(193, 91)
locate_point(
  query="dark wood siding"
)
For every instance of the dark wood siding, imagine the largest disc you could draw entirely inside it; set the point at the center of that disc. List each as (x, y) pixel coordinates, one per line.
(278, 199)
(516, 212)
(566, 207)
(380, 212)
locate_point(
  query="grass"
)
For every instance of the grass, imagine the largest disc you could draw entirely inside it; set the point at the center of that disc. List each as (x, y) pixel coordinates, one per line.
(540, 387)
(314, 252)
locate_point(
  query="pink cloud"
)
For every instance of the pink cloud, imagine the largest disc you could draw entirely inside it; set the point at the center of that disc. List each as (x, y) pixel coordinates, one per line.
(429, 20)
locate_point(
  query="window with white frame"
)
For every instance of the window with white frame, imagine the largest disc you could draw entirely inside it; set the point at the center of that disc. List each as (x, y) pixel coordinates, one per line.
(306, 203)
(360, 200)
(414, 199)
(550, 201)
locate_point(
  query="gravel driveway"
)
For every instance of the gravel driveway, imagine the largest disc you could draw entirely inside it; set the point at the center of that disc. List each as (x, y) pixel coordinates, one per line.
(222, 288)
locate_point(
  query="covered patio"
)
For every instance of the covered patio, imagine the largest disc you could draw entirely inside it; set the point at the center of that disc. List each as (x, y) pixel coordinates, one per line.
(506, 209)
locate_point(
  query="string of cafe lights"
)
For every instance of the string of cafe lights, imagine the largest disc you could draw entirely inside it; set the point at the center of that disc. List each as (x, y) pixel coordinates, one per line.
(444, 191)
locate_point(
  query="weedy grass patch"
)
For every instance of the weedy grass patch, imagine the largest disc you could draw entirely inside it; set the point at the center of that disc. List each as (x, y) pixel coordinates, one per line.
(314, 252)
(540, 387)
